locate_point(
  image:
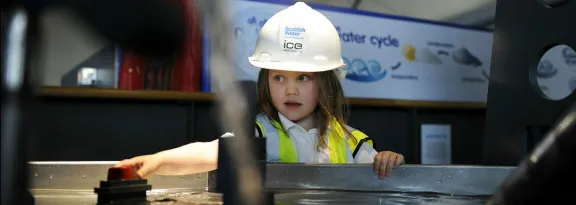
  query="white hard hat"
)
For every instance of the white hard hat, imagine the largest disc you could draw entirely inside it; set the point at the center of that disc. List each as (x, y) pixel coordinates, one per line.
(301, 39)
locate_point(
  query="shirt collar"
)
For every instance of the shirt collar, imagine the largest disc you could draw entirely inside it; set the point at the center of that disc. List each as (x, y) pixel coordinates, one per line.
(286, 123)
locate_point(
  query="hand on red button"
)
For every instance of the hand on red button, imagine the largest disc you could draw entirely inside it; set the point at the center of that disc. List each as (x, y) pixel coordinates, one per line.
(120, 173)
(143, 166)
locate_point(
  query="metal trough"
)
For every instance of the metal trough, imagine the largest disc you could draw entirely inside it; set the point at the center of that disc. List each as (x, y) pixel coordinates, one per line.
(73, 183)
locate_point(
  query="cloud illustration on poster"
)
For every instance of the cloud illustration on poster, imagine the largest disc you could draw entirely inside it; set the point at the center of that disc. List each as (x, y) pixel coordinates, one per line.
(464, 57)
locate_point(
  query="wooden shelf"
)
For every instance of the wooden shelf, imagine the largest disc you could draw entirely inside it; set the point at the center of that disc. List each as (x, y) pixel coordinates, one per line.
(74, 92)
(124, 94)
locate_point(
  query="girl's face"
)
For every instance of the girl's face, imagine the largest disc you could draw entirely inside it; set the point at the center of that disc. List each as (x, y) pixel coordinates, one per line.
(294, 94)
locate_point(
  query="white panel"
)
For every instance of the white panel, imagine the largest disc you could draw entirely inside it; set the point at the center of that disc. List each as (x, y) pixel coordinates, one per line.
(426, 9)
(338, 3)
(454, 11)
(481, 15)
(66, 42)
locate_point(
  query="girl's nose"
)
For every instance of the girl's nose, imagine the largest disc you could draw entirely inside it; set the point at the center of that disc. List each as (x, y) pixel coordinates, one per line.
(291, 89)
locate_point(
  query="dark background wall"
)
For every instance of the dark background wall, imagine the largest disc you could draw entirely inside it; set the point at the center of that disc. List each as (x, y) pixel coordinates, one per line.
(112, 129)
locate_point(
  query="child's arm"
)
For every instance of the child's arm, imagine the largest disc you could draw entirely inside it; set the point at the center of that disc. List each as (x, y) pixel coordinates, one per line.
(191, 158)
(188, 159)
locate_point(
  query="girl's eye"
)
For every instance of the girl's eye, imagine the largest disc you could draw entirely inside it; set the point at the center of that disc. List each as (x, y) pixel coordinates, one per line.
(279, 78)
(304, 78)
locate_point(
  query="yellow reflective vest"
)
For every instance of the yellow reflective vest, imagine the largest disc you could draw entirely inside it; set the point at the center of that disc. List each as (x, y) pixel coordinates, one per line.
(336, 143)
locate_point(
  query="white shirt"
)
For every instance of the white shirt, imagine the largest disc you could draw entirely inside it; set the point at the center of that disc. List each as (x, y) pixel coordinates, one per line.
(305, 144)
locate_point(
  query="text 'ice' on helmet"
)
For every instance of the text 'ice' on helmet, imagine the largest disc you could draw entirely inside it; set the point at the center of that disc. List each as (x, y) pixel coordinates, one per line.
(300, 39)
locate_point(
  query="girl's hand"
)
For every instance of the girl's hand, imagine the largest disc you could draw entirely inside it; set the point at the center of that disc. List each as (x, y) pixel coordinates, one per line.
(144, 166)
(385, 161)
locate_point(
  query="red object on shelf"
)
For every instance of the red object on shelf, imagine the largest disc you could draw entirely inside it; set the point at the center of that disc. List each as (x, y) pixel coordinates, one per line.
(187, 68)
(120, 173)
(132, 71)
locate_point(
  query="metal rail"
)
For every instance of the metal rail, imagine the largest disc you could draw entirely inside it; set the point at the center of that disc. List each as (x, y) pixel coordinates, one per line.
(453, 179)
(86, 175)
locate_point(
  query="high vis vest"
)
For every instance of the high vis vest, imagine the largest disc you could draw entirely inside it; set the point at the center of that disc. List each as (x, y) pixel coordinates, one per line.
(278, 138)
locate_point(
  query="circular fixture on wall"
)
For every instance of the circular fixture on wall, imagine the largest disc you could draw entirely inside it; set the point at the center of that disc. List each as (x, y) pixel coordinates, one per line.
(555, 73)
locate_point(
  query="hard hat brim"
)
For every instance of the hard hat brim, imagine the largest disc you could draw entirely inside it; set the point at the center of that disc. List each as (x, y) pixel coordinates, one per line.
(294, 66)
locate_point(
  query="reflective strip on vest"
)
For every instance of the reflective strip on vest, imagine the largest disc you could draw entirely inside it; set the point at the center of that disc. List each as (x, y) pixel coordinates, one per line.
(359, 137)
(260, 129)
(286, 151)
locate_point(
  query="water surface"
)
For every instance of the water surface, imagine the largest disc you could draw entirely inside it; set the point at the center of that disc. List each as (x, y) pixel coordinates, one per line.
(299, 197)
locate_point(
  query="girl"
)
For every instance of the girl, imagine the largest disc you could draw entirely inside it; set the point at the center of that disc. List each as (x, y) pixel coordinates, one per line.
(301, 102)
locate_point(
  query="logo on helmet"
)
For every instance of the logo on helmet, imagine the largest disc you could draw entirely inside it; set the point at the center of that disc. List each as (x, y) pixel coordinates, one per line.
(294, 36)
(292, 45)
(294, 31)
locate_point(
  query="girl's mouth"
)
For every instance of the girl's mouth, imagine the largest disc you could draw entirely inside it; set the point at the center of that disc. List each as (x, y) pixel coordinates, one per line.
(292, 105)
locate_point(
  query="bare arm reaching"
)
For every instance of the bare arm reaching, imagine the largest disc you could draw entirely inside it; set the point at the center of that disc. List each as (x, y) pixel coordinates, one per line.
(188, 159)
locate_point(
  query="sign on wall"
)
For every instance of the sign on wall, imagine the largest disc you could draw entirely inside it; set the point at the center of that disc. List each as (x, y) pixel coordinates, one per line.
(436, 145)
(387, 56)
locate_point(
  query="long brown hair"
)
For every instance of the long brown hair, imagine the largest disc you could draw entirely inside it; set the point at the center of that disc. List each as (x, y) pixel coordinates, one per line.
(331, 103)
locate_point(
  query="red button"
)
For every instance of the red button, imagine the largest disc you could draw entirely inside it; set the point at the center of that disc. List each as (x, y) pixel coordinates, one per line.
(120, 173)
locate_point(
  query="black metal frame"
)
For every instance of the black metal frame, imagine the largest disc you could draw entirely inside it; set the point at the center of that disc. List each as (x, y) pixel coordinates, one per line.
(524, 31)
(20, 36)
(517, 110)
(18, 47)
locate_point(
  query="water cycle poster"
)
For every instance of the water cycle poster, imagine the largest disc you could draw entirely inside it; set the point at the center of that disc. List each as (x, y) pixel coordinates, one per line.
(387, 57)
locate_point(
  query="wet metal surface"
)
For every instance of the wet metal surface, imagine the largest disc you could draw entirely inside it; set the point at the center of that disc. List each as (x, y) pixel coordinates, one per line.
(63, 183)
(359, 198)
(191, 197)
(87, 175)
(460, 180)
(158, 196)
